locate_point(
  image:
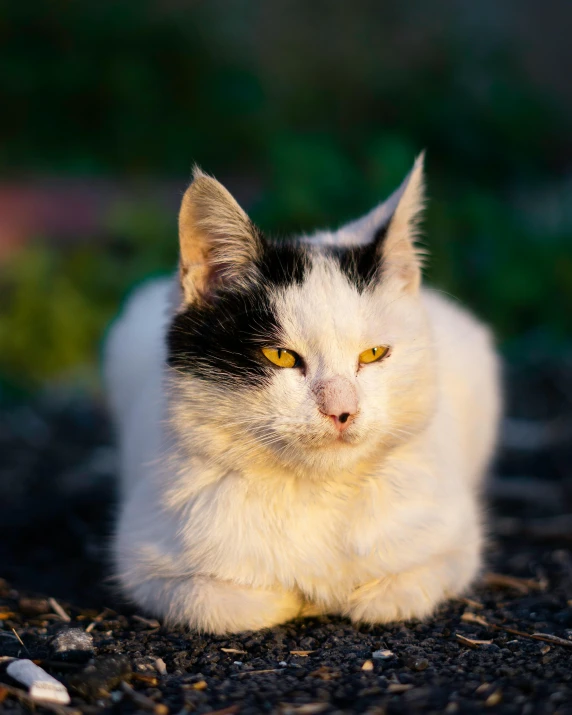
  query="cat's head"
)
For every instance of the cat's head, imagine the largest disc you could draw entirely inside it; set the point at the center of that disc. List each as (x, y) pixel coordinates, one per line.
(313, 353)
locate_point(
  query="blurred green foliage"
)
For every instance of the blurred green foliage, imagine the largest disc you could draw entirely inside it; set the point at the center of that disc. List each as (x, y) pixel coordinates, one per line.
(321, 119)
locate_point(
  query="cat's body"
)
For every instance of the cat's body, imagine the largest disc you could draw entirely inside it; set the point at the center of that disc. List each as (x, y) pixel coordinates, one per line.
(252, 493)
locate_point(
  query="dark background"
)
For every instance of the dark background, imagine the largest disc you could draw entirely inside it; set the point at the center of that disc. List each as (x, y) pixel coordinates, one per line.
(311, 113)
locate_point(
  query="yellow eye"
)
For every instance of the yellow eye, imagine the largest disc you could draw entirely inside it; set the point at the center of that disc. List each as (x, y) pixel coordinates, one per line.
(373, 354)
(281, 357)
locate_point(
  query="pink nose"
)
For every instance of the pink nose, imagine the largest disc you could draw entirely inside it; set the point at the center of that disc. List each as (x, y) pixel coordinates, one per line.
(337, 398)
(342, 422)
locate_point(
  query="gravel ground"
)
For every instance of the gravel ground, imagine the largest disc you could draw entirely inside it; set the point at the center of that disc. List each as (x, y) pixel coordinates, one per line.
(506, 648)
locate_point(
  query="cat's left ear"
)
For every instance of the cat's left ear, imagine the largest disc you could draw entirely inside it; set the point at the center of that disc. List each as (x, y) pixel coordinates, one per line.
(218, 242)
(400, 257)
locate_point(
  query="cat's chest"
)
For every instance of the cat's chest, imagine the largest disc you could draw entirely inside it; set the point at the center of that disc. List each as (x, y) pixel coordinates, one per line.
(298, 536)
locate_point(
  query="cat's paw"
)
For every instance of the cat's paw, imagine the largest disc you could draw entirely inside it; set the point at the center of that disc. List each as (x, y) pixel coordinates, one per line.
(212, 606)
(223, 607)
(393, 598)
(411, 594)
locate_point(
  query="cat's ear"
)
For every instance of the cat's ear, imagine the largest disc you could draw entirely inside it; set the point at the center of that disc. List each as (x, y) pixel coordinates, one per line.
(401, 258)
(217, 241)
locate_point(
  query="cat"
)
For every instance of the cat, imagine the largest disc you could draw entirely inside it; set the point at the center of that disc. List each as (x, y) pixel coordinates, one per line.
(303, 428)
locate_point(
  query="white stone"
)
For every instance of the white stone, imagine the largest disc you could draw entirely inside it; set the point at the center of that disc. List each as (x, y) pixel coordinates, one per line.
(161, 666)
(72, 639)
(382, 654)
(41, 686)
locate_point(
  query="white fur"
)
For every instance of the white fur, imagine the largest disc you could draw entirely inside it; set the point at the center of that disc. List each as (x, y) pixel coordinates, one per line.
(242, 509)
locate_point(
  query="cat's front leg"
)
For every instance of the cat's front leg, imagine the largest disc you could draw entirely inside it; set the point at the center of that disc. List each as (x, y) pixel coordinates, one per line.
(414, 593)
(210, 605)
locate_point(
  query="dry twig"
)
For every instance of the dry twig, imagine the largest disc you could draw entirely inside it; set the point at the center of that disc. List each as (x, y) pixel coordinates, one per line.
(236, 651)
(523, 585)
(143, 701)
(24, 697)
(546, 637)
(58, 609)
(471, 642)
(469, 617)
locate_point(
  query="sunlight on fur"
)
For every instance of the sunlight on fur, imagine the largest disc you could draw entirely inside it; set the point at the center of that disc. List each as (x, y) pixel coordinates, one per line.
(341, 476)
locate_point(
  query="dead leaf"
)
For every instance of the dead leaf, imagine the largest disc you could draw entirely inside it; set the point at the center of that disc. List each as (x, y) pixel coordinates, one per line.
(233, 650)
(302, 653)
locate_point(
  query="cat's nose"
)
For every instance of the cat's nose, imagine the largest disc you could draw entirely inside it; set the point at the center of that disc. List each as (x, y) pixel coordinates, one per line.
(337, 399)
(342, 421)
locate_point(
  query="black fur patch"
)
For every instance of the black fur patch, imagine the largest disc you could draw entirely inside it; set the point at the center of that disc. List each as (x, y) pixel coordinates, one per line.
(221, 339)
(361, 264)
(282, 264)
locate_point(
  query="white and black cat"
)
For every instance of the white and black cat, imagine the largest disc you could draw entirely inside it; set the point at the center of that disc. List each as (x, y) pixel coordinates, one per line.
(303, 428)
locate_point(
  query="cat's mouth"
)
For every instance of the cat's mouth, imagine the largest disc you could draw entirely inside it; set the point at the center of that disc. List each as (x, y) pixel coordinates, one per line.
(339, 440)
(345, 440)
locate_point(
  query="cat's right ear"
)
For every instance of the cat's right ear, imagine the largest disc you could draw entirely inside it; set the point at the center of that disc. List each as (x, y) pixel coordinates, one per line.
(217, 241)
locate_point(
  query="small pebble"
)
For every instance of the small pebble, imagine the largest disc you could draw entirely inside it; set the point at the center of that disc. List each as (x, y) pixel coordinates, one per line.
(382, 654)
(368, 665)
(161, 666)
(41, 686)
(101, 677)
(34, 606)
(311, 708)
(72, 644)
(494, 699)
(399, 687)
